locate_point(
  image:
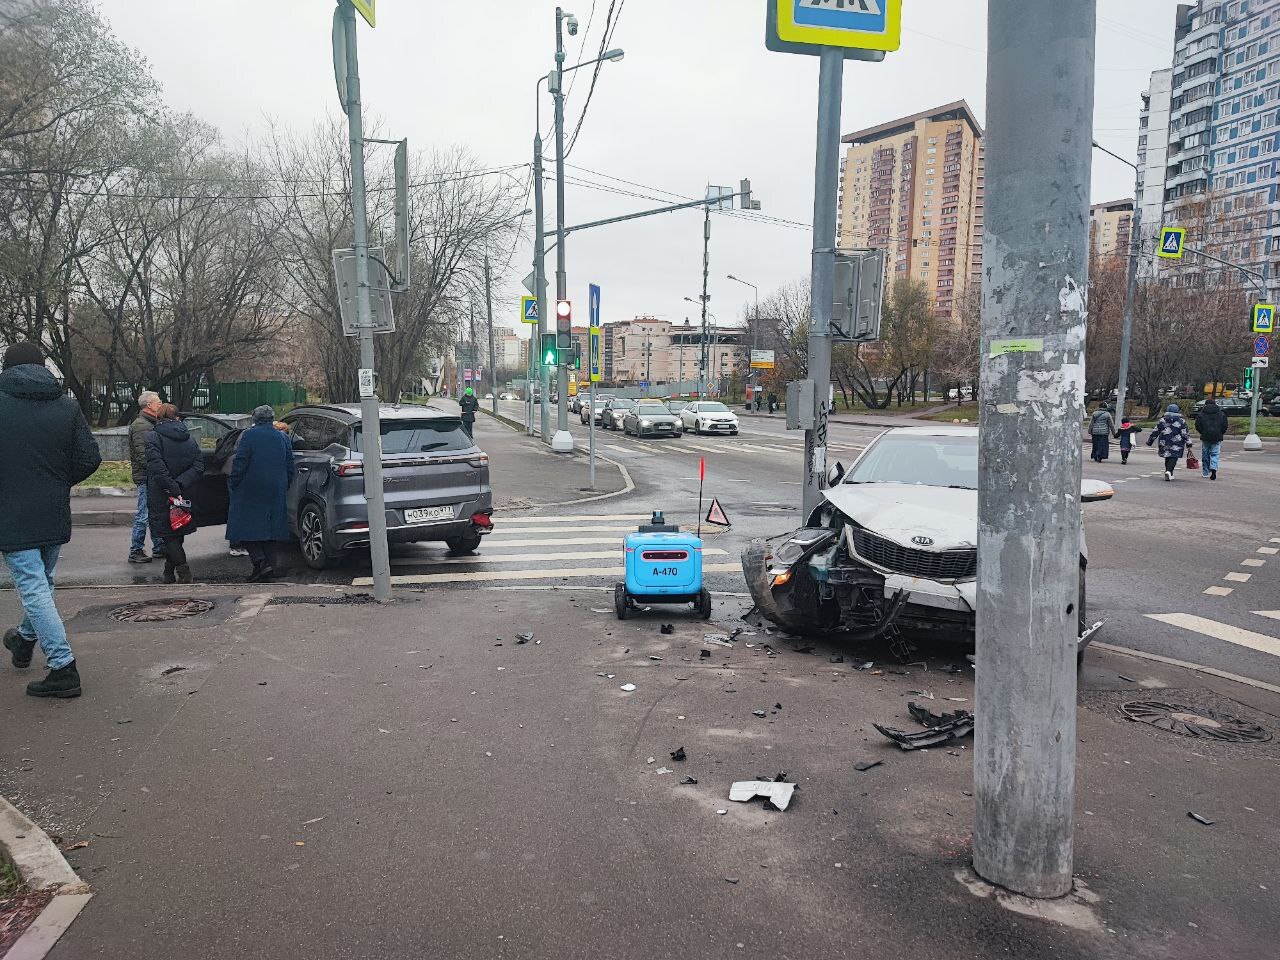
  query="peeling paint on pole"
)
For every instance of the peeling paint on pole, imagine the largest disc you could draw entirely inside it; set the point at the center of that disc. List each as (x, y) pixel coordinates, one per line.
(1034, 316)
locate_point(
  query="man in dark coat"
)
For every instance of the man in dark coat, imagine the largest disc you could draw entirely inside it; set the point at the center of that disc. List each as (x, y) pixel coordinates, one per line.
(45, 449)
(1211, 424)
(259, 484)
(469, 405)
(174, 464)
(148, 404)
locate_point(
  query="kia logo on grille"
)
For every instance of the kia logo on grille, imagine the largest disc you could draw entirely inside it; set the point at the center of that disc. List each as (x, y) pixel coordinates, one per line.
(923, 541)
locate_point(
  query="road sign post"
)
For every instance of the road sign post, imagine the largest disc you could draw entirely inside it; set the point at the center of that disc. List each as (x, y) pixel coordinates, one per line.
(1263, 323)
(371, 428)
(593, 372)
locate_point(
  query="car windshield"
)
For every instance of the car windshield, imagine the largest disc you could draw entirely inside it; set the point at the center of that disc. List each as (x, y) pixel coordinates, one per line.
(622, 403)
(675, 406)
(600, 403)
(653, 410)
(420, 436)
(206, 431)
(712, 408)
(928, 461)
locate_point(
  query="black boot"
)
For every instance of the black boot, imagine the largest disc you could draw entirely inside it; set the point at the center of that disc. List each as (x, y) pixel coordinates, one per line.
(19, 646)
(169, 576)
(63, 682)
(1213, 474)
(182, 573)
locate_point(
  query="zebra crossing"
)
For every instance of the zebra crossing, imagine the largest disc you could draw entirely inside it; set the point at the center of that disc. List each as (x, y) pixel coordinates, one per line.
(1228, 633)
(693, 443)
(535, 550)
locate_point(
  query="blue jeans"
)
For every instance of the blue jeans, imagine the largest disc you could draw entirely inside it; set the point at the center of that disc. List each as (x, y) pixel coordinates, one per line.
(1209, 456)
(140, 518)
(32, 572)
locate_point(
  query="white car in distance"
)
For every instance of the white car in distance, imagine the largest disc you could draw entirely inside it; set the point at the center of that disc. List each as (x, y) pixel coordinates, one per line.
(709, 416)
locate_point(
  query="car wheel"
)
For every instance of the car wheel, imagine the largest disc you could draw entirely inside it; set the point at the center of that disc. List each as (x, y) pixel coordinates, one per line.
(467, 544)
(697, 428)
(311, 538)
(704, 604)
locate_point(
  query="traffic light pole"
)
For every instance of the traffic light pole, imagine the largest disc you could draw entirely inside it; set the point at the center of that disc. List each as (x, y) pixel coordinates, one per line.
(562, 442)
(540, 286)
(371, 428)
(1040, 70)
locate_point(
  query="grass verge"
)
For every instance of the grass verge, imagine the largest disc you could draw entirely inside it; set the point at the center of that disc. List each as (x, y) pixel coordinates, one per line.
(112, 473)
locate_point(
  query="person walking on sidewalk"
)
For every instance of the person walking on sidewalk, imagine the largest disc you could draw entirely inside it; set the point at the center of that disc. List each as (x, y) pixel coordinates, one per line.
(469, 405)
(1126, 434)
(148, 405)
(1101, 426)
(1171, 431)
(174, 464)
(1211, 424)
(259, 485)
(45, 450)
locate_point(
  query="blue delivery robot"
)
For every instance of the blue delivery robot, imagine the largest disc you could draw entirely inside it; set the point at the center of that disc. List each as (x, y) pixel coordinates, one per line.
(663, 566)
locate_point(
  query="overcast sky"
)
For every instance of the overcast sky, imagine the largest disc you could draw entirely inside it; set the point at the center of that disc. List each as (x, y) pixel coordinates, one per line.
(697, 100)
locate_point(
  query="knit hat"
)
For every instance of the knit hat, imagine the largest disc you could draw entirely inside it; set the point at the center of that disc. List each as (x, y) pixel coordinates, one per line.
(21, 353)
(264, 414)
(1172, 408)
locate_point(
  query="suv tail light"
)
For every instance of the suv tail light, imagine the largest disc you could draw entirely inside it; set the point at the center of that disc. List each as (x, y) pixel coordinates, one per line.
(479, 461)
(349, 468)
(482, 520)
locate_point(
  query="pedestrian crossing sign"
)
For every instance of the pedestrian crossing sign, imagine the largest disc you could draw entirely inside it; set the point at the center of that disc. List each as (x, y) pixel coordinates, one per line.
(1171, 243)
(528, 309)
(366, 9)
(1264, 318)
(849, 24)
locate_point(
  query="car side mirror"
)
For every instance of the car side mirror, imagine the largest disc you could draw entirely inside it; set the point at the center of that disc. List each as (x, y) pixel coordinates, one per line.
(835, 473)
(1091, 491)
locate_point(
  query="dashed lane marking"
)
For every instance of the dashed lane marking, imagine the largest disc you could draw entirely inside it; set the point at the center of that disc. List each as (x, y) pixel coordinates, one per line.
(1268, 551)
(527, 558)
(1220, 631)
(1252, 562)
(1272, 614)
(1235, 577)
(1219, 591)
(479, 576)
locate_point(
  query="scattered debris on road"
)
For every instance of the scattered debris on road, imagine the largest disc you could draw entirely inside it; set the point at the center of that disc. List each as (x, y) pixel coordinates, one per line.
(941, 728)
(523, 638)
(719, 639)
(1190, 813)
(667, 628)
(678, 754)
(704, 654)
(628, 687)
(661, 770)
(864, 765)
(759, 713)
(776, 793)
(864, 666)
(730, 879)
(689, 782)
(78, 845)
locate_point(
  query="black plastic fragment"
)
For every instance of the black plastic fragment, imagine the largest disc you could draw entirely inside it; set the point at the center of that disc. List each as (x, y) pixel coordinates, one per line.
(678, 754)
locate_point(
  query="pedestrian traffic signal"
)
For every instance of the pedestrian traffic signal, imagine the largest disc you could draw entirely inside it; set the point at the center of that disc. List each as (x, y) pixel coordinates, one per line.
(548, 349)
(576, 363)
(1248, 380)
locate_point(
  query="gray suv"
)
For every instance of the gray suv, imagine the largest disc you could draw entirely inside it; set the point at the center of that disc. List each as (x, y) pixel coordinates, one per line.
(435, 478)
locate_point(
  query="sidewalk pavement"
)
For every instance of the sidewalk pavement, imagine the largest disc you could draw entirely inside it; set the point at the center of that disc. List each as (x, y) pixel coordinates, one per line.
(886, 420)
(279, 778)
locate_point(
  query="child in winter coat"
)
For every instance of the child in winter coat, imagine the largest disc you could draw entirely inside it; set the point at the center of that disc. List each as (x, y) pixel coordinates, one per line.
(1126, 434)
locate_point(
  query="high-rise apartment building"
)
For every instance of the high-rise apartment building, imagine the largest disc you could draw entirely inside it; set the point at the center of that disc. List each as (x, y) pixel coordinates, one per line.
(915, 186)
(1219, 173)
(1109, 228)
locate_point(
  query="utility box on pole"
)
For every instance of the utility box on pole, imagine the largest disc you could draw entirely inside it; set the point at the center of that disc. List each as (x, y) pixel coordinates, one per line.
(858, 301)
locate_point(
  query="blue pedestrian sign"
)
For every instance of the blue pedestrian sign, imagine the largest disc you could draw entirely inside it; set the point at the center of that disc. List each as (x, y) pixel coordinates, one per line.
(805, 26)
(1261, 347)
(1264, 318)
(593, 307)
(529, 310)
(1171, 243)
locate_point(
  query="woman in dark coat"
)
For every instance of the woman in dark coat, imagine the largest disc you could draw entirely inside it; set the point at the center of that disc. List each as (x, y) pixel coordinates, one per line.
(259, 484)
(174, 464)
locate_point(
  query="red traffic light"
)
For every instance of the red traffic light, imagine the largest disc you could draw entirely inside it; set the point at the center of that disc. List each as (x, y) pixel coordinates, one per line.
(564, 309)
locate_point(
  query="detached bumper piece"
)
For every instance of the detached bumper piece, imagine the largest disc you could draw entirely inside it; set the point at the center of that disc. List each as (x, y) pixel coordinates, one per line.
(941, 728)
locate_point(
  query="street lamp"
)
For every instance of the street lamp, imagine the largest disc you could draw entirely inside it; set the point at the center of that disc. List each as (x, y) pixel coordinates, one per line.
(1131, 284)
(755, 337)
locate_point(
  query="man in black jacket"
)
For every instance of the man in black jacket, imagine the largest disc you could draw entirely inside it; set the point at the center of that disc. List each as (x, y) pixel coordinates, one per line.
(1211, 424)
(469, 405)
(45, 449)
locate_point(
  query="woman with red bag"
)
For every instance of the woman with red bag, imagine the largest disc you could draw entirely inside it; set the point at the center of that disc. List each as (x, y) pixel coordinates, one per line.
(174, 463)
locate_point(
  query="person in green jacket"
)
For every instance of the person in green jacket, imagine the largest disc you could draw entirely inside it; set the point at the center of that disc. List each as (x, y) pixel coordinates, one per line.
(148, 404)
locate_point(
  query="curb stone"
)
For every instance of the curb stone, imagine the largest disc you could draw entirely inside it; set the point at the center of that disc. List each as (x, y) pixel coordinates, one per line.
(42, 868)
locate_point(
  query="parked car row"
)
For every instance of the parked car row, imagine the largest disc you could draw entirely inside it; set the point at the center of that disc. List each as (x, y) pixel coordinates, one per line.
(663, 418)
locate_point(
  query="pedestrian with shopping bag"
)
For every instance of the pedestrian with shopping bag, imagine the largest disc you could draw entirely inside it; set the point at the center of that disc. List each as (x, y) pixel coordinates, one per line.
(1211, 424)
(174, 464)
(1128, 429)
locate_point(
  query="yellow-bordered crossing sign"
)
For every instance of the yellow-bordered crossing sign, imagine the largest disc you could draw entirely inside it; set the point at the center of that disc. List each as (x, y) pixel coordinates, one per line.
(365, 9)
(856, 24)
(1171, 243)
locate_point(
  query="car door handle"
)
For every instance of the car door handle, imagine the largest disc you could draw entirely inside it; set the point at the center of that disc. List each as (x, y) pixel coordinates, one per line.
(304, 469)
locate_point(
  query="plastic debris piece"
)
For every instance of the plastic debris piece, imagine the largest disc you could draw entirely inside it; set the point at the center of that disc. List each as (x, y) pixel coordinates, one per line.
(652, 657)
(722, 812)
(777, 706)
(1130, 679)
(689, 782)
(864, 765)
(79, 845)
(759, 713)
(836, 658)
(678, 754)
(775, 793)
(523, 637)
(601, 610)
(942, 728)
(651, 760)
(667, 628)
(864, 666)
(1190, 813)
(307, 823)
(953, 668)
(661, 770)
(627, 687)
(704, 654)
(730, 879)
(719, 639)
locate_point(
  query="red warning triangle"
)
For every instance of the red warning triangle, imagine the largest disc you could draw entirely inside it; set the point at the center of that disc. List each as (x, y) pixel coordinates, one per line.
(717, 515)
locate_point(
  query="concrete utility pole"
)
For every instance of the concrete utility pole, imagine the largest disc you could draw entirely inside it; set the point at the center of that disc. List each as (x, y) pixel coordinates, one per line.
(1040, 71)
(1131, 286)
(493, 365)
(826, 188)
(706, 269)
(540, 285)
(371, 428)
(563, 440)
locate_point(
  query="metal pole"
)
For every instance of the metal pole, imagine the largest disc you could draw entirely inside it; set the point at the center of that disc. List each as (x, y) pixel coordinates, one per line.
(826, 186)
(1131, 292)
(706, 267)
(371, 427)
(591, 421)
(493, 365)
(562, 282)
(540, 286)
(1040, 70)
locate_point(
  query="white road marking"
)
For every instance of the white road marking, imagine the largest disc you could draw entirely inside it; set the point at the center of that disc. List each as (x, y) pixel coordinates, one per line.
(1235, 577)
(478, 576)
(585, 528)
(1275, 539)
(613, 446)
(1219, 591)
(491, 542)
(526, 558)
(1269, 551)
(1220, 631)
(1273, 614)
(1252, 562)
(597, 517)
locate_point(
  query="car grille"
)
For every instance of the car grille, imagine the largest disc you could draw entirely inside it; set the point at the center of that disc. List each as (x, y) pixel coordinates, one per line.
(958, 564)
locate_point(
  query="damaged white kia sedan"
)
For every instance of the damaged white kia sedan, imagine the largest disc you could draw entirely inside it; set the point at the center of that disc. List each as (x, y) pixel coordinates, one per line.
(892, 551)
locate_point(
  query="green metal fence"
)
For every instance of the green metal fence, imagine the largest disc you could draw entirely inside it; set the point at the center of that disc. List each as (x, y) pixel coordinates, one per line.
(243, 397)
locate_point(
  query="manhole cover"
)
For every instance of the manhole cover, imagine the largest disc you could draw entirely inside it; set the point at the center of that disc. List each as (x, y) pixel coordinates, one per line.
(157, 611)
(1194, 722)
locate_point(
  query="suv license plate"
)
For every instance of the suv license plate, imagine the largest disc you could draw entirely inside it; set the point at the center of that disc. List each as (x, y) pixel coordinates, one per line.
(427, 514)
